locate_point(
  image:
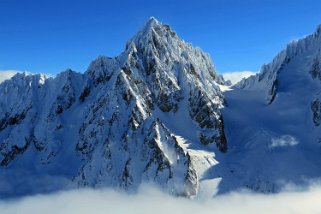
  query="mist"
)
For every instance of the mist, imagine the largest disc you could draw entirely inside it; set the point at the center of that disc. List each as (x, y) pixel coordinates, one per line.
(150, 200)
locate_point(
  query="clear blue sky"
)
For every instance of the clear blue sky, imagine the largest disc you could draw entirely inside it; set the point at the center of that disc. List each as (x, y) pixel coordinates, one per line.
(50, 36)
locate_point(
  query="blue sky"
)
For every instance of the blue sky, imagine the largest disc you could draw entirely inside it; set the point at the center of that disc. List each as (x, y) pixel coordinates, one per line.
(50, 36)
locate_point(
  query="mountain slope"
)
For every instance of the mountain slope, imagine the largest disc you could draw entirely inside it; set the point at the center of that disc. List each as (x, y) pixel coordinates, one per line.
(151, 115)
(272, 122)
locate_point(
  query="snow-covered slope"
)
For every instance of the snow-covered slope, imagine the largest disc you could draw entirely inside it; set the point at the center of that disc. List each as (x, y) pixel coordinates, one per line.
(272, 122)
(306, 56)
(151, 114)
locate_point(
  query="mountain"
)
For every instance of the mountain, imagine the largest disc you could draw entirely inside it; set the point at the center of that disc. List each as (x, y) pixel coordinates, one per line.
(306, 55)
(156, 114)
(272, 122)
(150, 115)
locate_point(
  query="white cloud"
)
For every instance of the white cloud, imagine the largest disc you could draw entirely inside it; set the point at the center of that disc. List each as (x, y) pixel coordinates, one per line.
(284, 140)
(152, 201)
(237, 76)
(4, 75)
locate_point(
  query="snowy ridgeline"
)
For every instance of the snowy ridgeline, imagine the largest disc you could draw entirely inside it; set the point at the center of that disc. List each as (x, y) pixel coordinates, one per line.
(307, 55)
(150, 115)
(156, 114)
(272, 122)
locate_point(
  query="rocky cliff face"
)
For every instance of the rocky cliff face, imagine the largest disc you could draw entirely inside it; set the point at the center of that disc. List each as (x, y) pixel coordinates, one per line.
(151, 114)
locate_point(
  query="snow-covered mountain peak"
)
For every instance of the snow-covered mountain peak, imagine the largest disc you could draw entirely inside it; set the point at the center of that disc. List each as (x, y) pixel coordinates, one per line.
(151, 114)
(102, 68)
(36, 79)
(161, 47)
(151, 23)
(304, 52)
(318, 31)
(152, 35)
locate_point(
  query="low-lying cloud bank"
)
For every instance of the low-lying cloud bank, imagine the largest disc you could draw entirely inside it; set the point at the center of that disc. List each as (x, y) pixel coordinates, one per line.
(237, 76)
(150, 200)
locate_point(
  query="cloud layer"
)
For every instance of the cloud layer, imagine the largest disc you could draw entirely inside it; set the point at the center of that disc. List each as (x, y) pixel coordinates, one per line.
(150, 200)
(235, 77)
